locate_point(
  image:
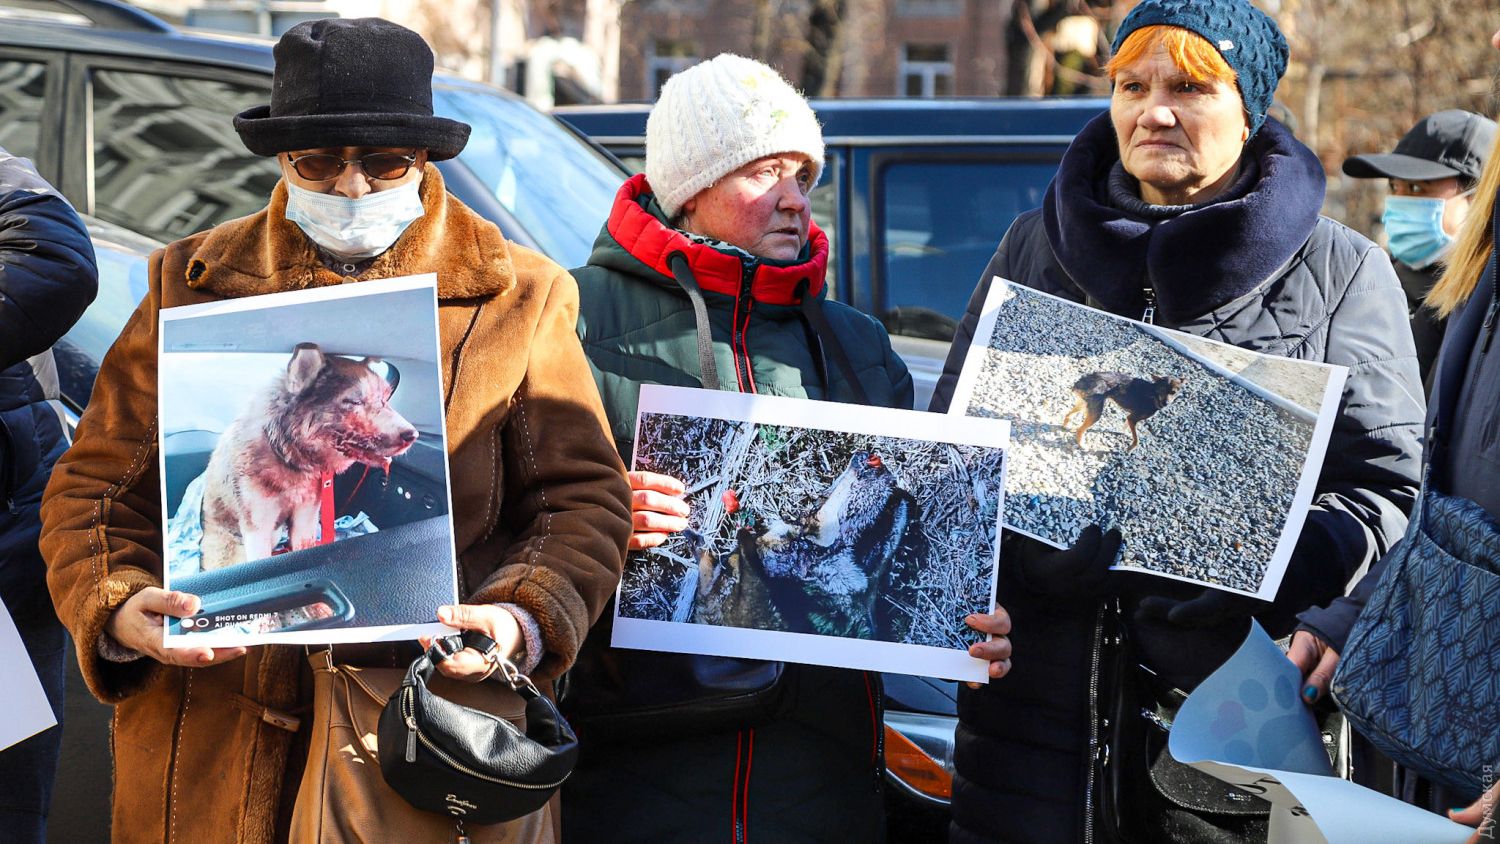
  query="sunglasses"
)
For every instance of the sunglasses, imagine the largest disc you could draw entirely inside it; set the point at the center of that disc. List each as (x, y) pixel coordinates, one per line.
(381, 166)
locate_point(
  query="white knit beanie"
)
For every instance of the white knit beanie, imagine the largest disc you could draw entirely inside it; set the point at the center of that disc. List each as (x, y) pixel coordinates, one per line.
(716, 117)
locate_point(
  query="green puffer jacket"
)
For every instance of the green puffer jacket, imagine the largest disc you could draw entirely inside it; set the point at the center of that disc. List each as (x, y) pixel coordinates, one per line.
(810, 772)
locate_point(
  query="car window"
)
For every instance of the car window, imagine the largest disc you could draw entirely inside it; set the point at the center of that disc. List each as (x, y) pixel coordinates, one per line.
(22, 90)
(166, 159)
(825, 210)
(555, 186)
(940, 223)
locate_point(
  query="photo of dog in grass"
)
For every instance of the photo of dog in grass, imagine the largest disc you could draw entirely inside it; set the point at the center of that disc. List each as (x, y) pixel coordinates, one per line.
(848, 534)
(266, 475)
(1204, 455)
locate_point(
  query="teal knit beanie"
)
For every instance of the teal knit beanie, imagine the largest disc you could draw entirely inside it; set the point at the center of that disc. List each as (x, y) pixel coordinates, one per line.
(1246, 37)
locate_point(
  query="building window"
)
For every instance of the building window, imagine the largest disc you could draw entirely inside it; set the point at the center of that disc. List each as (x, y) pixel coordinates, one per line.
(926, 71)
(667, 56)
(928, 8)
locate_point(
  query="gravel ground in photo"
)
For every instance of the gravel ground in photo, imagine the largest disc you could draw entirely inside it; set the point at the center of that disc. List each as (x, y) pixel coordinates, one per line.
(1293, 380)
(785, 473)
(1204, 496)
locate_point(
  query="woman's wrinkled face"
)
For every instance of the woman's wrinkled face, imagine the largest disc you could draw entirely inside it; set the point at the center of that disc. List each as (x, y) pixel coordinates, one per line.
(1182, 138)
(762, 207)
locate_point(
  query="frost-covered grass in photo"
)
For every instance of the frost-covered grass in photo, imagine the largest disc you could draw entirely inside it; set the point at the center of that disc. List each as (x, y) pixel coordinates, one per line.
(1206, 493)
(837, 505)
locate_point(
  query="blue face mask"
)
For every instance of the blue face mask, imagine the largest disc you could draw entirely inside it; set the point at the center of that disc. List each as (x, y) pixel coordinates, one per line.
(1414, 230)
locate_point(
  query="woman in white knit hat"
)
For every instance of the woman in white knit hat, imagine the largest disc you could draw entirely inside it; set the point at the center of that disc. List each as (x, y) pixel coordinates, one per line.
(710, 272)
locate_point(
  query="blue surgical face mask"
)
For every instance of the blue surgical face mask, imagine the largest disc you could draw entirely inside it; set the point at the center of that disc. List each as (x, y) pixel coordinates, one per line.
(1414, 230)
(354, 229)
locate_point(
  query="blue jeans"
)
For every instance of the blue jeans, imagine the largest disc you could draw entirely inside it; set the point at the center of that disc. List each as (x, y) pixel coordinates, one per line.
(27, 769)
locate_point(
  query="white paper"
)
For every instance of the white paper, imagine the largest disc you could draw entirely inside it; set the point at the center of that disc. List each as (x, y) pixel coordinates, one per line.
(1247, 726)
(24, 702)
(795, 480)
(218, 363)
(1218, 487)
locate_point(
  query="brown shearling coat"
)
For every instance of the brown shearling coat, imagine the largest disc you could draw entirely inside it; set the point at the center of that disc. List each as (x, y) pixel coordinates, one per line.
(540, 503)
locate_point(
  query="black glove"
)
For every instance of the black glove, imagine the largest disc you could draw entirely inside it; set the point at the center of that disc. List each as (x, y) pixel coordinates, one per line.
(1209, 608)
(1071, 575)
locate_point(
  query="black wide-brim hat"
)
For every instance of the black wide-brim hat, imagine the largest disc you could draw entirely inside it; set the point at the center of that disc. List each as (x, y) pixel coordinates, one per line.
(362, 82)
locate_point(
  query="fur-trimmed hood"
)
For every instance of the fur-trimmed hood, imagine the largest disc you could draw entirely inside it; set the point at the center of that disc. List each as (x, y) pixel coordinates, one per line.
(265, 252)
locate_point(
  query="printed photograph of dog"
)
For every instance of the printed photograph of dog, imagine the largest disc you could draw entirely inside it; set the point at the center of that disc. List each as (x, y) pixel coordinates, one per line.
(302, 444)
(1203, 454)
(833, 533)
(265, 477)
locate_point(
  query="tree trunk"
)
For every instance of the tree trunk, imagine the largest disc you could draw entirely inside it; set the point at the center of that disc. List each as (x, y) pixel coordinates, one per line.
(820, 64)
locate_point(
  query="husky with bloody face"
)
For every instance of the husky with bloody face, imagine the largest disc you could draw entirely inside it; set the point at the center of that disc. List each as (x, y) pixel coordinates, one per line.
(318, 419)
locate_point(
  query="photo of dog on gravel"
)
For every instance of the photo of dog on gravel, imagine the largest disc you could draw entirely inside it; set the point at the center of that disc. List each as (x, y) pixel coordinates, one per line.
(1204, 455)
(847, 534)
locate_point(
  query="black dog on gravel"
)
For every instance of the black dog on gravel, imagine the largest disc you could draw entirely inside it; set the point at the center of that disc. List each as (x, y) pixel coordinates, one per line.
(1138, 397)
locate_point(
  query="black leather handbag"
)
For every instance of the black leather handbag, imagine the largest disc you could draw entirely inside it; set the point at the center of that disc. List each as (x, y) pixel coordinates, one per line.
(453, 760)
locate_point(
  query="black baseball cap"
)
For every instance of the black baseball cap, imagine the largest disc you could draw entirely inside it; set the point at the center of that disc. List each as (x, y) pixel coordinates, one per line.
(1444, 145)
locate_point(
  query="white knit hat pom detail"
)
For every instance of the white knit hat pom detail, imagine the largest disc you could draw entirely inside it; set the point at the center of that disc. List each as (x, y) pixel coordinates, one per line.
(717, 116)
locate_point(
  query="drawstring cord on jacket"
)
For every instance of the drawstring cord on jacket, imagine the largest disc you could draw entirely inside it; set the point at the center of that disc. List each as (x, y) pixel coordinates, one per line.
(683, 275)
(827, 342)
(821, 337)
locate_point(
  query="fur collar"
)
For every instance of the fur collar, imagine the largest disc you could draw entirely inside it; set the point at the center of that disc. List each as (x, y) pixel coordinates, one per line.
(267, 253)
(1196, 258)
(636, 225)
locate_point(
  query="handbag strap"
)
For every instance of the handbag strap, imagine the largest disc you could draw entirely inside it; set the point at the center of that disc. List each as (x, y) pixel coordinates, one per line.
(421, 668)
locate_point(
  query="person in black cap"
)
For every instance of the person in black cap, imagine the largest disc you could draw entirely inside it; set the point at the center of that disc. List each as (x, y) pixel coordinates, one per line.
(1432, 174)
(210, 743)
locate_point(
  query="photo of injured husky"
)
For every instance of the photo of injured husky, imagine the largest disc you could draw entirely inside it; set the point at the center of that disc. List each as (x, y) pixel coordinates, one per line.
(1203, 454)
(304, 472)
(817, 534)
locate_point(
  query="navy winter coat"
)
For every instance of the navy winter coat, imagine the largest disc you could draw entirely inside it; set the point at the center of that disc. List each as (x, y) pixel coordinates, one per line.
(47, 278)
(1256, 267)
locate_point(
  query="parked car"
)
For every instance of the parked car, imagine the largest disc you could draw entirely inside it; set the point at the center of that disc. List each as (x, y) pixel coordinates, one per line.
(915, 195)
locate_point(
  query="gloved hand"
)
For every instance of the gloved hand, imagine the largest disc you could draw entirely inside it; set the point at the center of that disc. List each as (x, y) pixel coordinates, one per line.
(1209, 608)
(1074, 575)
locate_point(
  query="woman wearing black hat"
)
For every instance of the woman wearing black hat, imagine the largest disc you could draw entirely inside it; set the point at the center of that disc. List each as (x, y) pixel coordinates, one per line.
(209, 743)
(1186, 206)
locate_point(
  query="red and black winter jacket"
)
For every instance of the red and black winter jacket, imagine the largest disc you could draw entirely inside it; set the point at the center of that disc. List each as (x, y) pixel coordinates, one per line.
(810, 771)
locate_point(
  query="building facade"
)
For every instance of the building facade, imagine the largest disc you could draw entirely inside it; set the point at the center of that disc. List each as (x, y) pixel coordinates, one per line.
(879, 48)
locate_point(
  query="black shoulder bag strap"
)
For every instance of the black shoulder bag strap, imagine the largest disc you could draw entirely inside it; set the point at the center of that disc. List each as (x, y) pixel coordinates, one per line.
(828, 341)
(683, 275)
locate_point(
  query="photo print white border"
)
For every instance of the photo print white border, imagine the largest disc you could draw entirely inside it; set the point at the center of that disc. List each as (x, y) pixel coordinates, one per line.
(1296, 516)
(271, 301)
(714, 640)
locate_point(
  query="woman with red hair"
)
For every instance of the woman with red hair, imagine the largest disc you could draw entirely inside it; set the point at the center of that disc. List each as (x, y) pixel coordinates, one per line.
(1186, 206)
